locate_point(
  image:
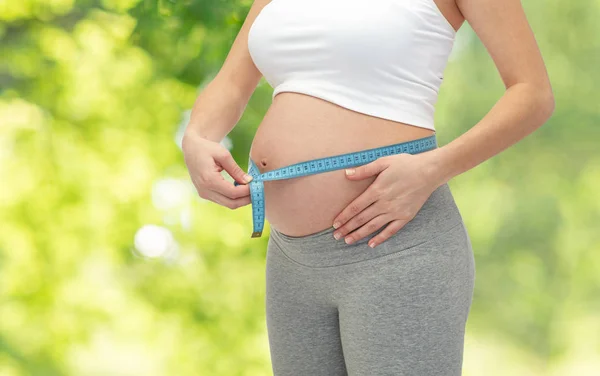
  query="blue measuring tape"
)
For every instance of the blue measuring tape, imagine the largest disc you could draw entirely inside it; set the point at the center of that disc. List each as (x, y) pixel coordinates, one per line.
(317, 166)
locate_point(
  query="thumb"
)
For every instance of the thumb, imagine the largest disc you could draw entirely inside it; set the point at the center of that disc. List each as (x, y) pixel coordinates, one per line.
(364, 171)
(228, 163)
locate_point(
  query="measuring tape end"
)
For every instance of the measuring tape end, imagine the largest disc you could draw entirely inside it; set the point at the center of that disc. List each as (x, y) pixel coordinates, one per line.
(256, 234)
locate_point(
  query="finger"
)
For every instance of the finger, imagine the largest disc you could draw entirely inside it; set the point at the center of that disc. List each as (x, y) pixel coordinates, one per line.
(367, 170)
(367, 229)
(390, 230)
(217, 183)
(226, 201)
(226, 161)
(225, 188)
(358, 220)
(369, 196)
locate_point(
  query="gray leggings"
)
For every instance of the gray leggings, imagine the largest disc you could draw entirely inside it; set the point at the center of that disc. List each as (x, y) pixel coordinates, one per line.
(397, 309)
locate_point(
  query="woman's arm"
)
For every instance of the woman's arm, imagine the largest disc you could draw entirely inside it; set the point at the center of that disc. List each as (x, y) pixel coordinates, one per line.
(405, 181)
(221, 103)
(216, 111)
(527, 103)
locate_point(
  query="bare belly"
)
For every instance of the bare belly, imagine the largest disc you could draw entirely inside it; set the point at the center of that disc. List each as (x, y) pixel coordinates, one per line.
(300, 127)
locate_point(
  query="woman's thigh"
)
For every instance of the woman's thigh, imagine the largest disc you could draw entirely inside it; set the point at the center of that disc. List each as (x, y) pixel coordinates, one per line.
(405, 313)
(302, 322)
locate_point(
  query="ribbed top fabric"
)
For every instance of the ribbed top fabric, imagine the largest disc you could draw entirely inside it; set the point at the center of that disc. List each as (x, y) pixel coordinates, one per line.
(384, 58)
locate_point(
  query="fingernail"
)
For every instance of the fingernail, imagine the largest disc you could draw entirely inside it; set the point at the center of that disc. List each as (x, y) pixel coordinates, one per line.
(372, 244)
(247, 178)
(336, 225)
(349, 171)
(349, 240)
(336, 235)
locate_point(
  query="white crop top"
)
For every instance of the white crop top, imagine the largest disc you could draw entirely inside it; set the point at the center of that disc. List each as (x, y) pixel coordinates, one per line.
(384, 58)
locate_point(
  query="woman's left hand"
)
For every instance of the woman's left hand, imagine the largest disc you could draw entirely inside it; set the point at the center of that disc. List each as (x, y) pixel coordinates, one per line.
(404, 182)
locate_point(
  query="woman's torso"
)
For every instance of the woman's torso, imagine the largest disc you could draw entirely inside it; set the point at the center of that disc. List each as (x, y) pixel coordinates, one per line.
(348, 75)
(298, 127)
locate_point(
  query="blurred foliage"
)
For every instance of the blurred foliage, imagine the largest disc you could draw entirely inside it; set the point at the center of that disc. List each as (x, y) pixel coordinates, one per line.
(93, 98)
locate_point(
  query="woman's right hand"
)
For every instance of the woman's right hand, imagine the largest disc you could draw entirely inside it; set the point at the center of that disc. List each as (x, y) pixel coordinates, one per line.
(205, 159)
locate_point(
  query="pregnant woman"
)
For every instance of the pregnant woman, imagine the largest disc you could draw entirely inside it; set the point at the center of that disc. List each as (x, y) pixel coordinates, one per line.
(369, 269)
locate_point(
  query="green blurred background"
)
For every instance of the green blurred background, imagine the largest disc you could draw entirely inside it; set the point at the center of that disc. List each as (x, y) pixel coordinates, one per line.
(111, 265)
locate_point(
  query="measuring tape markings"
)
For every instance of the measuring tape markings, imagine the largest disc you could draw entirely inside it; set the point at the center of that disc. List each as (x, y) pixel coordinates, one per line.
(321, 165)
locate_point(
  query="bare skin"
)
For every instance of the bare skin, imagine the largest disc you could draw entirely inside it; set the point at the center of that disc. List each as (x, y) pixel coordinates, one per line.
(308, 204)
(299, 127)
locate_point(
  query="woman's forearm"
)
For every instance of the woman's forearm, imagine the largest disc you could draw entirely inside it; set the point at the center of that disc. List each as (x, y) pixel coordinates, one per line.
(217, 110)
(522, 109)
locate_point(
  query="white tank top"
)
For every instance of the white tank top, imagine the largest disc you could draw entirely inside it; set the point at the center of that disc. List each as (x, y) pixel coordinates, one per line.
(384, 58)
